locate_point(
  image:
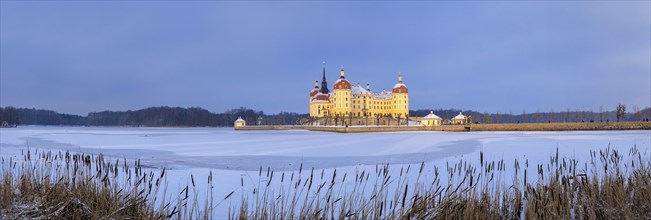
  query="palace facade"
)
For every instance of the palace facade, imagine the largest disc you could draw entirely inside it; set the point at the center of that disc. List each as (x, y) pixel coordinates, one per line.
(347, 100)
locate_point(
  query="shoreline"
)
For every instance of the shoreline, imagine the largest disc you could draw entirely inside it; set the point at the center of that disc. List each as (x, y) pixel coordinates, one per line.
(581, 126)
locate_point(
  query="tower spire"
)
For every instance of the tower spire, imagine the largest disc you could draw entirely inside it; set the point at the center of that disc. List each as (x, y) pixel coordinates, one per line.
(324, 84)
(341, 73)
(399, 77)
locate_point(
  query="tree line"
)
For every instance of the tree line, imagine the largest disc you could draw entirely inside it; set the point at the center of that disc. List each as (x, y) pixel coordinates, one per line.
(29, 116)
(149, 117)
(197, 117)
(552, 116)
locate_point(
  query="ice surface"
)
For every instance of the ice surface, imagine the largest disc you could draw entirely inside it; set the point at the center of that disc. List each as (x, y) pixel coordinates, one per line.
(224, 148)
(233, 155)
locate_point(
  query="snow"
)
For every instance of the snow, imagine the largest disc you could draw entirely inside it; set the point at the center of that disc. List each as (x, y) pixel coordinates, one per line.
(382, 95)
(459, 117)
(359, 90)
(233, 155)
(431, 115)
(239, 119)
(196, 144)
(340, 80)
(398, 85)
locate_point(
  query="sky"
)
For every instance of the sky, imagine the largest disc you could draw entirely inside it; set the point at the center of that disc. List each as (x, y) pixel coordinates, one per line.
(496, 56)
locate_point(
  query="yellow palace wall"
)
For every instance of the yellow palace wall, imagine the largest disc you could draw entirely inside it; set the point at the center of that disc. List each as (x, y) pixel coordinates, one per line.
(343, 103)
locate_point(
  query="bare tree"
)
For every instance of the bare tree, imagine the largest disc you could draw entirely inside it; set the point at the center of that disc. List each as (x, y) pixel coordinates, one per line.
(510, 116)
(350, 118)
(524, 116)
(336, 119)
(620, 111)
(551, 116)
(568, 117)
(498, 117)
(601, 113)
(399, 116)
(407, 119)
(377, 119)
(636, 113)
(538, 116)
(487, 118)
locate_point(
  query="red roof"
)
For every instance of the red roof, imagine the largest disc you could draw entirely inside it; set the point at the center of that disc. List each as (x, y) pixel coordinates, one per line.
(342, 84)
(314, 92)
(322, 97)
(400, 89)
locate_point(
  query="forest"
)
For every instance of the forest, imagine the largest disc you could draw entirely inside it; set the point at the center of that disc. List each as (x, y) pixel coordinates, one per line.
(198, 117)
(149, 117)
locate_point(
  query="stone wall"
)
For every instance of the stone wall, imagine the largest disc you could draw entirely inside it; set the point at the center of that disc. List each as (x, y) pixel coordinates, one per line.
(457, 128)
(355, 129)
(562, 126)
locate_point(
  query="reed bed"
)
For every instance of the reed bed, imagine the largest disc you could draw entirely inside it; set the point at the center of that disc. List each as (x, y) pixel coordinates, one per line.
(609, 185)
(63, 185)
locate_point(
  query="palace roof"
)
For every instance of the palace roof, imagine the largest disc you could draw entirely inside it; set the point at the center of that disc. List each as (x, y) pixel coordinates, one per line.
(314, 92)
(459, 117)
(382, 95)
(432, 115)
(400, 88)
(360, 90)
(342, 84)
(320, 97)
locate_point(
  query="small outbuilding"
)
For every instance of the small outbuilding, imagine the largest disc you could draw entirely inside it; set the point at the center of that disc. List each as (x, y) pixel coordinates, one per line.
(240, 122)
(460, 119)
(431, 120)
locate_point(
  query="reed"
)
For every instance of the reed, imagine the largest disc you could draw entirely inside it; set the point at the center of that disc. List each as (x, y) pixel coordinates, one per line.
(63, 185)
(610, 184)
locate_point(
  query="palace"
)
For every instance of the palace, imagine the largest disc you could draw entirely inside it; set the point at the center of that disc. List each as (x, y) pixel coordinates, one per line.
(354, 101)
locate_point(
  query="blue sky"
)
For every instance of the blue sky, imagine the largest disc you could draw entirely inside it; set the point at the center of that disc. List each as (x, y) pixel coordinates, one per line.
(78, 57)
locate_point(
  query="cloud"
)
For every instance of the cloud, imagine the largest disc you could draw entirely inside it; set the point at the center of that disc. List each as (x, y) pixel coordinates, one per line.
(87, 56)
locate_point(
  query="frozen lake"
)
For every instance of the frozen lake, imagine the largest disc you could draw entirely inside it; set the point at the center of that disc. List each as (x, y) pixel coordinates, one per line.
(224, 148)
(234, 155)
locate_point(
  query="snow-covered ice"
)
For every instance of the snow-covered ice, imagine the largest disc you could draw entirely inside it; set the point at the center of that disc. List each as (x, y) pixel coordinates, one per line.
(238, 154)
(224, 148)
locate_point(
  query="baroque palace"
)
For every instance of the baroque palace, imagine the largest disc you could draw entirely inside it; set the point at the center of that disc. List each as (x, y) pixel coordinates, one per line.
(354, 101)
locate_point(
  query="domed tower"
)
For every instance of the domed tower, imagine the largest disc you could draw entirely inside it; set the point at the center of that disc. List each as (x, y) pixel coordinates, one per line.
(315, 90)
(341, 99)
(313, 93)
(400, 98)
(320, 98)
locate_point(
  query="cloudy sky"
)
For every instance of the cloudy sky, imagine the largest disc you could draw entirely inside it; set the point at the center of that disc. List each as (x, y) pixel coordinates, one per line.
(79, 57)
